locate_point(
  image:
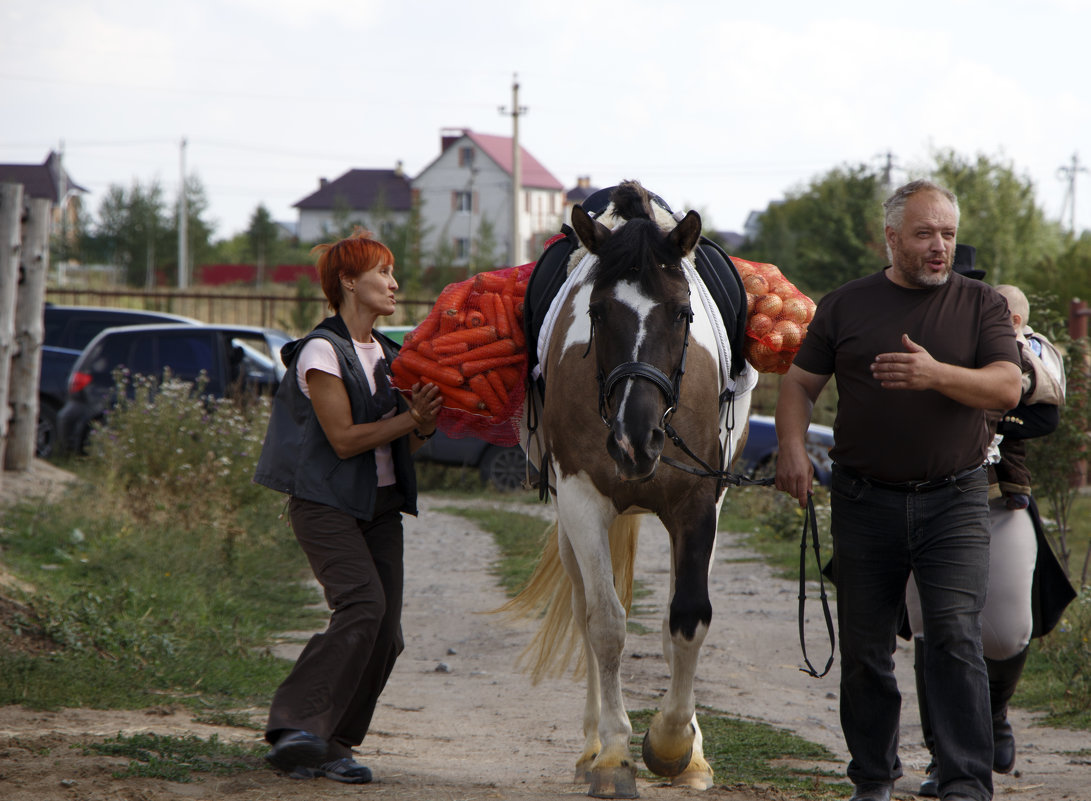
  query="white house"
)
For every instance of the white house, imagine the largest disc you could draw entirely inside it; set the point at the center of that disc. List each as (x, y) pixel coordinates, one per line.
(470, 181)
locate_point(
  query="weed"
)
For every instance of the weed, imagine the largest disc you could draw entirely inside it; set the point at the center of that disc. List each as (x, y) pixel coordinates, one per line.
(177, 758)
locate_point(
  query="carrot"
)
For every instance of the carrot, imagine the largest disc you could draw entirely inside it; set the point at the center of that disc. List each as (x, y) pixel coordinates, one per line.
(501, 347)
(471, 336)
(426, 328)
(426, 350)
(474, 318)
(497, 384)
(450, 321)
(475, 366)
(488, 308)
(416, 362)
(449, 349)
(503, 325)
(489, 282)
(462, 398)
(509, 284)
(453, 297)
(510, 375)
(404, 378)
(482, 387)
(514, 322)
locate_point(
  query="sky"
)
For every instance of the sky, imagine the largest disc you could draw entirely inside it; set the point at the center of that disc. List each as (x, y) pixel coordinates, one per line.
(715, 105)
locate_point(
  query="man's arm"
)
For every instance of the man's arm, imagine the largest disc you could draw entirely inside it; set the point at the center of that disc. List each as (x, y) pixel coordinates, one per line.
(995, 386)
(798, 392)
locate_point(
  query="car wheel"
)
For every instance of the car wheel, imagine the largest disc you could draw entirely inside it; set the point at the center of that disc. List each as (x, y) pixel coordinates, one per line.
(46, 437)
(504, 468)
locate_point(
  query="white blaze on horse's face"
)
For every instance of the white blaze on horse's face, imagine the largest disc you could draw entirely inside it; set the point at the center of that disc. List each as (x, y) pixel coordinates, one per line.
(628, 294)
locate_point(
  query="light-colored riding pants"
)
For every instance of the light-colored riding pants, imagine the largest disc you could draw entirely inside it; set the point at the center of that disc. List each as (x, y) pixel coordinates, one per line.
(1006, 620)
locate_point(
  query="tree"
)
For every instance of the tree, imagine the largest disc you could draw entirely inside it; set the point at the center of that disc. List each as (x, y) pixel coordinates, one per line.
(999, 216)
(483, 250)
(198, 232)
(132, 231)
(262, 235)
(827, 233)
(405, 243)
(1064, 276)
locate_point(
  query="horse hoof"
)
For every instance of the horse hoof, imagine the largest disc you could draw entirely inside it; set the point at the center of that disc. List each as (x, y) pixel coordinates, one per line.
(619, 782)
(660, 766)
(693, 779)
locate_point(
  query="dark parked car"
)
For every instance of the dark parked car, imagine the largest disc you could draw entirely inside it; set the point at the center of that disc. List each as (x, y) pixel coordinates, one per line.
(234, 358)
(759, 455)
(68, 329)
(503, 467)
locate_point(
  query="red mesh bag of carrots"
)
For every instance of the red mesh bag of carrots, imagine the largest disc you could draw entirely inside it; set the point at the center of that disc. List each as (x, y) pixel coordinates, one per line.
(471, 345)
(777, 316)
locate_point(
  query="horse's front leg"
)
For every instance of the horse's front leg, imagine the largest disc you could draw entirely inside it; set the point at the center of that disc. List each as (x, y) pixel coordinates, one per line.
(673, 744)
(585, 516)
(591, 743)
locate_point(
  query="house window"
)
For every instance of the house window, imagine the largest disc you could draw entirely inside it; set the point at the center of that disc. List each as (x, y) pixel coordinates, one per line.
(465, 157)
(462, 249)
(462, 201)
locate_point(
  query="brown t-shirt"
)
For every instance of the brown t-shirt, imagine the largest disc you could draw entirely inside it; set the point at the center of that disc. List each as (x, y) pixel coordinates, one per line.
(906, 435)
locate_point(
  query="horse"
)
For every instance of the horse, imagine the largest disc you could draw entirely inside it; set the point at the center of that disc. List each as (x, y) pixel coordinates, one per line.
(635, 377)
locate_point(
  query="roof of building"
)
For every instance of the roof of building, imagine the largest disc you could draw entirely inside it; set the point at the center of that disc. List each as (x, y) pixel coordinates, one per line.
(361, 190)
(580, 192)
(498, 148)
(40, 180)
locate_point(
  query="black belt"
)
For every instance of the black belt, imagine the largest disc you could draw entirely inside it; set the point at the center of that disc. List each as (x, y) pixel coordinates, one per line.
(911, 486)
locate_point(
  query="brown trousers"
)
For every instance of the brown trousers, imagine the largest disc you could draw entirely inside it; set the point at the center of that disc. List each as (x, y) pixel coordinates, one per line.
(335, 684)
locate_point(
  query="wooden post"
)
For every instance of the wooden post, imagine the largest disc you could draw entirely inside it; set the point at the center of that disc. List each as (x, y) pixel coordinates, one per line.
(11, 212)
(29, 333)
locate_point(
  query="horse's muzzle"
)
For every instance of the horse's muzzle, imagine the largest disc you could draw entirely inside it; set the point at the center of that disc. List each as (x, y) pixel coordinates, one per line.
(635, 461)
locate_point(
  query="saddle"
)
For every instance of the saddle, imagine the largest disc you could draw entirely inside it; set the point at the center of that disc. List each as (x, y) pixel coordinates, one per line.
(713, 265)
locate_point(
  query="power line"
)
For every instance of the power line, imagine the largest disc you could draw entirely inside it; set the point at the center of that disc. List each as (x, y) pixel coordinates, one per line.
(1069, 173)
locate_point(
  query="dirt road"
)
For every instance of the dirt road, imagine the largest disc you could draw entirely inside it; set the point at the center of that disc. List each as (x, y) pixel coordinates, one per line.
(458, 723)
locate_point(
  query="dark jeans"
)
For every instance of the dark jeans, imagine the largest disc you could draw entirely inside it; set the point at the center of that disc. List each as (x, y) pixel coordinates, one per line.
(942, 536)
(335, 684)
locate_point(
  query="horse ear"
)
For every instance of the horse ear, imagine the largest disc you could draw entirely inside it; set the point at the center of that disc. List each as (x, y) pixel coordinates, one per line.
(591, 232)
(687, 233)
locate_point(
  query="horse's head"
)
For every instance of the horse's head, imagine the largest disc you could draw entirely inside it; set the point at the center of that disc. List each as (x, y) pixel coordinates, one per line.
(640, 315)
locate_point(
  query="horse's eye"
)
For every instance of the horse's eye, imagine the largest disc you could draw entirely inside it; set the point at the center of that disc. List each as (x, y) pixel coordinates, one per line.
(684, 314)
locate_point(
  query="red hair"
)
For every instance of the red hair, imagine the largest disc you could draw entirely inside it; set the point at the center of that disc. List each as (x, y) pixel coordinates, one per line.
(347, 259)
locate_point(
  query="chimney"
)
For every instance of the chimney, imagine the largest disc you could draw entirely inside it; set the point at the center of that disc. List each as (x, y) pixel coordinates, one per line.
(448, 136)
(398, 169)
(323, 182)
(584, 182)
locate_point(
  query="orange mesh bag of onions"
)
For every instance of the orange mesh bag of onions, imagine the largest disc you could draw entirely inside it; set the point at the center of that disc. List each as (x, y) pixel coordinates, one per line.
(777, 316)
(472, 346)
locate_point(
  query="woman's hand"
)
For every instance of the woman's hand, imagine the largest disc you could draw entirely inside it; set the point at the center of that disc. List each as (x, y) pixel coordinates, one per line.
(424, 405)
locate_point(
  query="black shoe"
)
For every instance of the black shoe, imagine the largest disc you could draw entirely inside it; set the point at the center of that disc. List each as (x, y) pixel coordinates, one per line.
(1003, 745)
(872, 791)
(345, 770)
(297, 752)
(930, 785)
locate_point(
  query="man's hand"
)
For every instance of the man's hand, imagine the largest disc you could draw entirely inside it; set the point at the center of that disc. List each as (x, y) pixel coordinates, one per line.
(912, 369)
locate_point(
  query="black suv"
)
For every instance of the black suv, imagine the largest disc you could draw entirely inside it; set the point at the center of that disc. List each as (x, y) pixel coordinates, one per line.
(234, 358)
(68, 329)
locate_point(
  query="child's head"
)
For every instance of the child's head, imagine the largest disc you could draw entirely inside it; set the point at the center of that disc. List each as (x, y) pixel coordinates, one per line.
(1018, 305)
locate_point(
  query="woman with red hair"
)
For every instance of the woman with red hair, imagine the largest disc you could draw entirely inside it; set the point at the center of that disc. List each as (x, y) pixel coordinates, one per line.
(339, 443)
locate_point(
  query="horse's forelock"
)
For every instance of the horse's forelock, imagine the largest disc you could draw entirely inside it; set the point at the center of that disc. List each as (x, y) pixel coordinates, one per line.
(631, 201)
(638, 249)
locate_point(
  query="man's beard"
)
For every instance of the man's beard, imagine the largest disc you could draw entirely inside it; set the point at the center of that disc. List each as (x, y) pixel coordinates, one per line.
(916, 272)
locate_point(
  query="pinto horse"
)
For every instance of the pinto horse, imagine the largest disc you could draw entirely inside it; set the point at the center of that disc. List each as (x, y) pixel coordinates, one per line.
(632, 347)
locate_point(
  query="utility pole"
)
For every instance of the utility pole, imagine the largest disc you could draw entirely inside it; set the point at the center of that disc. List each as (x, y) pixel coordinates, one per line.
(516, 171)
(183, 225)
(888, 168)
(1069, 174)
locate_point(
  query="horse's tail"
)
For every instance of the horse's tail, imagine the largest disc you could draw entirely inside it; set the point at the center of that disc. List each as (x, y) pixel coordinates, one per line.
(550, 651)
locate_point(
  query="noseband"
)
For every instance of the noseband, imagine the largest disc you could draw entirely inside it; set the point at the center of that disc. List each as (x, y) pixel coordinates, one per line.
(670, 387)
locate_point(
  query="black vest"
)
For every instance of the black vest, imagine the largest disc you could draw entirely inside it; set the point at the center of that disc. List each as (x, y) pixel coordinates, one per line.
(296, 457)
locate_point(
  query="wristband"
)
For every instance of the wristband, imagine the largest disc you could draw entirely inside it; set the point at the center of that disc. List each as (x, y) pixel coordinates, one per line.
(419, 435)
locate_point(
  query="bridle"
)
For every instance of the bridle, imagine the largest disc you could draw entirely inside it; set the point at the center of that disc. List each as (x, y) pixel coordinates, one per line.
(670, 387)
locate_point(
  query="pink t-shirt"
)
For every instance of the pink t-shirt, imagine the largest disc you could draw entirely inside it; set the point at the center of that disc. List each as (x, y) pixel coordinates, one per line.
(318, 354)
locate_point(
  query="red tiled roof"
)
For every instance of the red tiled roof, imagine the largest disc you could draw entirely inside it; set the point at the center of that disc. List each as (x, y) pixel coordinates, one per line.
(498, 148)
(361, 190)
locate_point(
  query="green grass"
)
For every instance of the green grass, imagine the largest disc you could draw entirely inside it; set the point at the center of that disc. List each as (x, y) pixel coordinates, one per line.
(520, 538)
(754, 753)
(177, 758)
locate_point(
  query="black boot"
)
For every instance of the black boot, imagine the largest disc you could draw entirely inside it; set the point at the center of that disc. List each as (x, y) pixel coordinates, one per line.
(929, 787)
(1003, 678)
